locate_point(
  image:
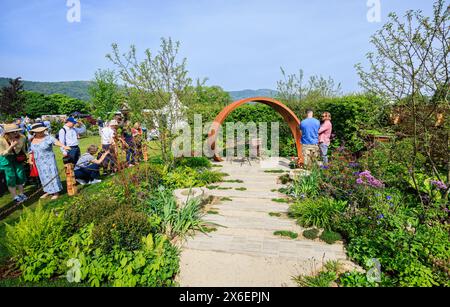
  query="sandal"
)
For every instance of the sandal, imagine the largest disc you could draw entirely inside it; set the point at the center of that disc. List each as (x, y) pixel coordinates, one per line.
(55, 197)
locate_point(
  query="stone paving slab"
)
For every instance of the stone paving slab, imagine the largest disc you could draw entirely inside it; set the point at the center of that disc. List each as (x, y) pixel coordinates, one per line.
(244, 251)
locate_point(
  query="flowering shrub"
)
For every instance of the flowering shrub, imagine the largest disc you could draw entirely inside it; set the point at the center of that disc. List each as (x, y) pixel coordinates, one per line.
(366, 178)
(384, 219)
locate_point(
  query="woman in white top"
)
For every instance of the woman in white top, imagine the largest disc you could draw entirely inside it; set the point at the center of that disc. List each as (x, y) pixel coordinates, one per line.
(108, 134)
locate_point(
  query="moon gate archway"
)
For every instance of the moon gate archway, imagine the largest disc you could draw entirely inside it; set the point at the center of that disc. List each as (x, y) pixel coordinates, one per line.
(288, 115)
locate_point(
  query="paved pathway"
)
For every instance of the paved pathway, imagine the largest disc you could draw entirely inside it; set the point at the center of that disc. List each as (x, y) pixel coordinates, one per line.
(244, 252)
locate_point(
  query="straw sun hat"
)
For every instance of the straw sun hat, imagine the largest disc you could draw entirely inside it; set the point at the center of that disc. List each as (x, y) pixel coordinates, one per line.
(36, 128)
(9, 128)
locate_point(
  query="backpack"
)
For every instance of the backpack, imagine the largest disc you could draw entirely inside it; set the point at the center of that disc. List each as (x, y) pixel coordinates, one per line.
(65, 133)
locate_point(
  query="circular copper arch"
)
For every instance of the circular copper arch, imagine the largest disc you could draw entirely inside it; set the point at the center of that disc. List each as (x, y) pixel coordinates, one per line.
(290, 118)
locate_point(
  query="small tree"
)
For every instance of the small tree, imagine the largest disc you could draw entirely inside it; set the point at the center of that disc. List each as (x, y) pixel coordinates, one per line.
(153, 85)
(410, 65)
(105, 94)
(11, 100)
(37, 104)
(68, 105)
(292, 89)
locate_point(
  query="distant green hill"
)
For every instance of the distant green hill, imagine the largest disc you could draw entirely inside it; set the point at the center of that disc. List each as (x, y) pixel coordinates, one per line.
(238, 95)
(79, 89)
(75, 89)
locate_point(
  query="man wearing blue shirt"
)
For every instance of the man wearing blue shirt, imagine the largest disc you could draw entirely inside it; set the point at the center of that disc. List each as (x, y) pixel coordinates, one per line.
(310, 138)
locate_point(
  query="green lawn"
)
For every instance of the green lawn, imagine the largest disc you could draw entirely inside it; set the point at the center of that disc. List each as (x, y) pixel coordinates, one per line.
(5, 200)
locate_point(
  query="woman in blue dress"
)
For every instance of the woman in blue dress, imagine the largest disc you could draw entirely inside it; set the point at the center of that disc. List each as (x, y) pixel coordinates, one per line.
(42, 148)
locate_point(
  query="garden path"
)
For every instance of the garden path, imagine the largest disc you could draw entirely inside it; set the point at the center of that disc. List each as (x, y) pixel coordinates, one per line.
(244, 252)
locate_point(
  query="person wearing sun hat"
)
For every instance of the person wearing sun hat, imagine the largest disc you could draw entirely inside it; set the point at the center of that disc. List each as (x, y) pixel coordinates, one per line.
(42, 148)
(12, 159)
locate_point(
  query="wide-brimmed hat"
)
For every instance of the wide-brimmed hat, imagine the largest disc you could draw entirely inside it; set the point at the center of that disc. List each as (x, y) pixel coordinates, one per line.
(39, 127)
(9, 128)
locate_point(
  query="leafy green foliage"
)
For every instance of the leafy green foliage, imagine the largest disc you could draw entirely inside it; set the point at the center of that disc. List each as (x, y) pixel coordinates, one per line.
(355, 279)
(37, 104)
(277, 171)
(321, 212)
(34, 243)
(193, 162)
(275, 214)
(284, 233)
(285, 179)
(68, 105)
(105, 94)
(11, 99)
(330, 237)
(124, 228)
(234, 181)
(280, 200)
(175, 220)
(321, 280)
(311, 234)
(154, 265)
(37, 231)
(305, 186)
(186, 177)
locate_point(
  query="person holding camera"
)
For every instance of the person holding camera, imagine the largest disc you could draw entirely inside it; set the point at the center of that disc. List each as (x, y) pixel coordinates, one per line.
(87, 170)
(12, 159)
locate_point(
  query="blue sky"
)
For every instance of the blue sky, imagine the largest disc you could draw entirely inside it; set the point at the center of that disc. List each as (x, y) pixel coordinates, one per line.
(237, 44)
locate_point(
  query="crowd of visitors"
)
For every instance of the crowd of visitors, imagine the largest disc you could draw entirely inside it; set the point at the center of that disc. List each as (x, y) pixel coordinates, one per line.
(32, 141)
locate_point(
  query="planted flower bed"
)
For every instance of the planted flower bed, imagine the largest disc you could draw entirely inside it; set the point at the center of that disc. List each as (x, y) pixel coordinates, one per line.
(121, 235)
(381, 217)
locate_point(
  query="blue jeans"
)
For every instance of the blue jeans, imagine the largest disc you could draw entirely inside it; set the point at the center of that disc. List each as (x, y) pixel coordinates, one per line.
(89, 173)
(131, 152)
(324, 153)
(73, 155)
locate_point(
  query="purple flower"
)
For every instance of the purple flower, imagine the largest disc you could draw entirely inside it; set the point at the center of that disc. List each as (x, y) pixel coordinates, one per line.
(366, 177)
(389, 197)
(366, 174)
(439, 184)
(353, 165)
(380, 217)
(325, 167)
(356, 174)
(447, 210)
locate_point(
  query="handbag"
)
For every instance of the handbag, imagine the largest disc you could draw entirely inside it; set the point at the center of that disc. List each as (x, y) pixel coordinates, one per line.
(33, 170)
